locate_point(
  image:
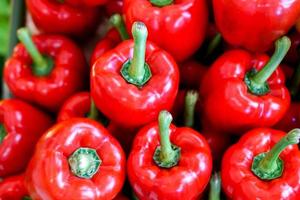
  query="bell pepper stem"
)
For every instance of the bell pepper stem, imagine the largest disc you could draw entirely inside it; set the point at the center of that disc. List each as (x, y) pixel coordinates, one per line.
(117, 21)
(161, 3)
(84, 162)
(191, 99)
(282, 46)
(41, 65)
(215, 187)
(213, 44)
(139, 33)
(93, 113)
(3, 133)
(268, 165)
(166, 155)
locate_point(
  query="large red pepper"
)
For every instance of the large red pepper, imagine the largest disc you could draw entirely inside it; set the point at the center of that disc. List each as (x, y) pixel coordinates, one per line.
(21, 125)
(111, 39)
(135, 78)
(291, 119)
(241, 91)
(179, 27)
(13, 188)
(55, 17)
(255, 25)
(263, 165)
(167, 162)
(46, 78)
(77, 159)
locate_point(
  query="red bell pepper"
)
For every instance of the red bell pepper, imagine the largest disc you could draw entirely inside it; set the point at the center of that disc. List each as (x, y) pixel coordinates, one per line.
(13, 188)
(113, 37)
(77, 159)
(46, 78)
(191, 74)
(291, 119)
(114, 6)
(169, 20)
(167, 162)
(21, 125)
(55, 17)
(263, 165)
(136, 77)
(241, 91)
(255, 25)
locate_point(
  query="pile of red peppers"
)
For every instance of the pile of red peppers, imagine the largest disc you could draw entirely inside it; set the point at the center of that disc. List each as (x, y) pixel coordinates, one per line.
(153, 100)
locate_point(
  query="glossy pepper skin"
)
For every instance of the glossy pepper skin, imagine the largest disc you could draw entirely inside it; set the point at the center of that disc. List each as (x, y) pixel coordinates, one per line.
(23, 126)
(110, 41)
(238, 181)
(66, 77)
(13, 188)
(49, 174)
(227, 103)
(77, 105)
(185, 19)
(255, 25)
(62, 18)
(186, 180)
(115, 97)
(86, 2)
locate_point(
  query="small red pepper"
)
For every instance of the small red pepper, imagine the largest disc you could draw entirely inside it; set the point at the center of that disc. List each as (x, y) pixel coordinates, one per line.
(167, 162)
(169, 20)
(135, 78)
(77, 159)
(114, 6)
(241, 91)
(255, 25)
(21, 125)
(262, 165)
(113, 37)
(13, 188)
(55, 17)
(46, 78)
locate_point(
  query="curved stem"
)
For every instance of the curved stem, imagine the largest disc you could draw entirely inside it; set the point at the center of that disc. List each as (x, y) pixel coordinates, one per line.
(191, 99)
(214, 43)
(3, 133)
(282, 46)
(117, 21)
(268, 165)
(139, 33)
(161, 3)
(215, 187)
(41, 65)
(269, 161)
(84, 162)
(93, 113)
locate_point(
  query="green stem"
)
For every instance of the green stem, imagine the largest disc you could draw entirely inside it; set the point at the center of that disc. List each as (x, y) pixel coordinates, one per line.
(215, 187)
(166, 155)
(117, 21)
(268, 165)
(41, 65)
(84, 162)
(191, 99)
(3, 133)
(136, 71)
(282, 46)
(17, 20)
(161, 3)
(214, 43)
(93, 113)
(26, 198)
(139, 33)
